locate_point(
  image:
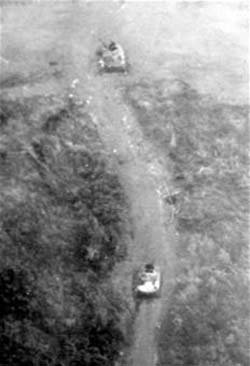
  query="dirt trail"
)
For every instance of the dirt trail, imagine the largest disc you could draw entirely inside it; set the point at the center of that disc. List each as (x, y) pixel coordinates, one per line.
(186, 41)
(145, 182)
(63, 35)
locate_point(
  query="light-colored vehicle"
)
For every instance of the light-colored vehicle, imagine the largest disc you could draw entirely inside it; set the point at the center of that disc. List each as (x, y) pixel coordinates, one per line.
(111, 58)
(149, 281)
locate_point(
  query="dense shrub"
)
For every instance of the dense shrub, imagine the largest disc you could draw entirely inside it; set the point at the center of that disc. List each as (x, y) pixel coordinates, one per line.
(15, 294)
(63, 220)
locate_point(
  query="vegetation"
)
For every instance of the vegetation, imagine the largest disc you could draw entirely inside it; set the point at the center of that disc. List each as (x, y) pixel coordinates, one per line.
(205, 143)
(63, 216)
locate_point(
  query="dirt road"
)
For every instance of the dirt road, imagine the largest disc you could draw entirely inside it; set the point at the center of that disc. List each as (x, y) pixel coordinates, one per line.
(145, 182)
(68, 36)
(190, 42)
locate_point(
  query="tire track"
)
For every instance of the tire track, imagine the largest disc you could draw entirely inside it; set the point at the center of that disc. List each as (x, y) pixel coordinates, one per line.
(146, 183)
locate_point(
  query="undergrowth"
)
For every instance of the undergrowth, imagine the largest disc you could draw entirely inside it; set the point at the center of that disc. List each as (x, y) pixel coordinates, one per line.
(206, 146)
(63, 226)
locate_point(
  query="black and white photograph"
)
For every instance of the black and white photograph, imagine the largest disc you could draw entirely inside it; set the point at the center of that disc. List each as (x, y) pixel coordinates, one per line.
(124, 183)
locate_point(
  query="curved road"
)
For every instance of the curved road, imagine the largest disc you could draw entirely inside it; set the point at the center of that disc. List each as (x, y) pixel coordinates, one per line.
(145, 182)
(189, 41)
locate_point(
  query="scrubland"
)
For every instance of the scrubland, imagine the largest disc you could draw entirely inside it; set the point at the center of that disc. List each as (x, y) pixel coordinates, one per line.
(205, 146)
(64, 226)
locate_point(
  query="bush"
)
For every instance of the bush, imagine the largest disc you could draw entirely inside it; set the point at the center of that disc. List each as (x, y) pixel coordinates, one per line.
(63, 227)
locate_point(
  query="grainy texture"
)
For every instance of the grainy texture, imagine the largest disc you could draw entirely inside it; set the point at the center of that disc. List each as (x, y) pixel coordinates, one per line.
(164, 144)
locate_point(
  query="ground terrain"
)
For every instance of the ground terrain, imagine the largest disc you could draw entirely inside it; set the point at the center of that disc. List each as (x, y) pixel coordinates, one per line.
(188, 67)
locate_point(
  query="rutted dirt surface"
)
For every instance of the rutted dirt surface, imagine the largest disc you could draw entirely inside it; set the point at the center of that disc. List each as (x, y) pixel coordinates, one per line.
(146, 184)
(189, 42)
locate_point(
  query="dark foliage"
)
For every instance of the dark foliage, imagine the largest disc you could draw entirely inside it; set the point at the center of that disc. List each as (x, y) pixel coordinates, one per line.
(12, 81)
(52, 121)
(11, 109)
(63, 227)
(15, 295)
